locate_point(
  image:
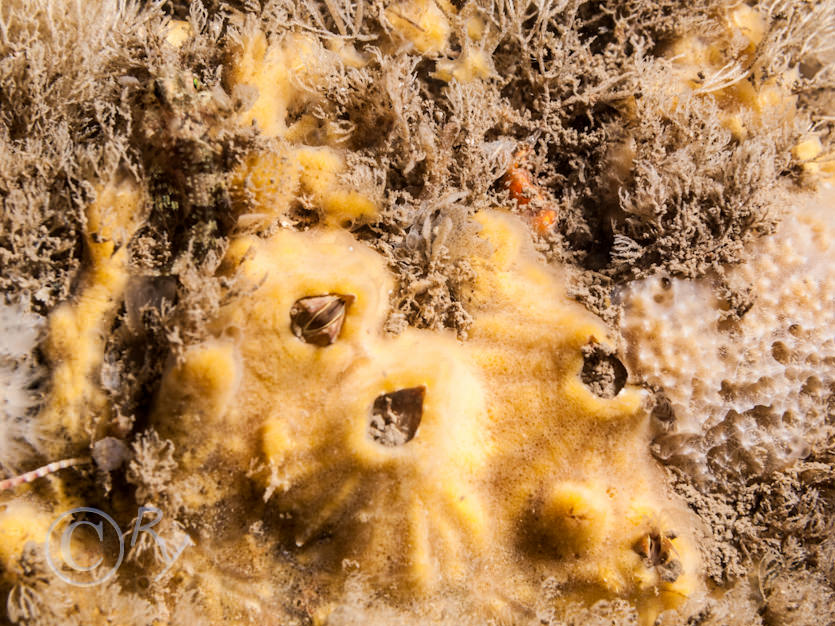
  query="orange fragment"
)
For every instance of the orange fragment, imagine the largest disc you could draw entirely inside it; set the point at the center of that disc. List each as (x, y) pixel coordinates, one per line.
(545, 220)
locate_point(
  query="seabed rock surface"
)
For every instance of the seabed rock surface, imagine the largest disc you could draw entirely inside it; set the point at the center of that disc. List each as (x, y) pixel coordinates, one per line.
(417, 311)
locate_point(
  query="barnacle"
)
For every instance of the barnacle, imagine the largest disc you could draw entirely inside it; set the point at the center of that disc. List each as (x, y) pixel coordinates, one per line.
(318, 319)
(396, 416)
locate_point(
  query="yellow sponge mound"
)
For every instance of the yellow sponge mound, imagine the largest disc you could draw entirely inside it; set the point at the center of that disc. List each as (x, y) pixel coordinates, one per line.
(77, 329)
(423, 460)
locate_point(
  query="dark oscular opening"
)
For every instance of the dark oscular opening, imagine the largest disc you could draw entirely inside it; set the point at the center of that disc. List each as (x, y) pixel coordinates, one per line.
(395, 416)
(603, 372)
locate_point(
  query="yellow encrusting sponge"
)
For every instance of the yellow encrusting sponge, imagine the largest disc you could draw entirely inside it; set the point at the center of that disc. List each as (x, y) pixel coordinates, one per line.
(423, 460)
(266, 184)
(77, 329)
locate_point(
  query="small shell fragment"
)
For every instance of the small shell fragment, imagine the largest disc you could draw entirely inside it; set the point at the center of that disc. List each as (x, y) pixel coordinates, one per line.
(396, 416)
(318, 319)
(110, 453)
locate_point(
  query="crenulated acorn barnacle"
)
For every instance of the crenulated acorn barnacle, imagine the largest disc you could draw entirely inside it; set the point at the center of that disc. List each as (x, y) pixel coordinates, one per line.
(395, 416)
(318, 319)
(602, 372)
(657, 550)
